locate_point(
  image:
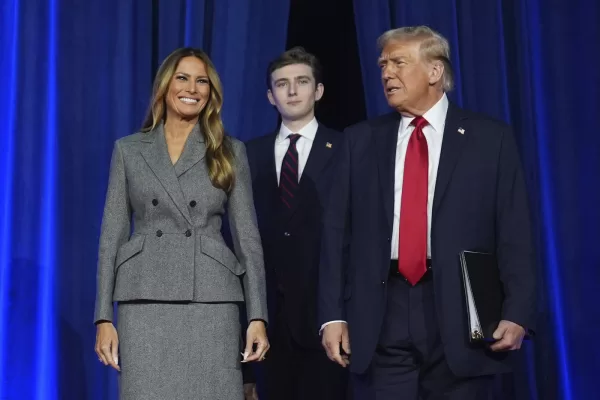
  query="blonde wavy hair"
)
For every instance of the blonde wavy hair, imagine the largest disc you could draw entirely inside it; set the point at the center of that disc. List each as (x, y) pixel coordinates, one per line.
(219, 153)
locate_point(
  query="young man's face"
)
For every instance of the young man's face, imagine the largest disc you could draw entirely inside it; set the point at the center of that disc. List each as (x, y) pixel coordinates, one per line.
(294, 91)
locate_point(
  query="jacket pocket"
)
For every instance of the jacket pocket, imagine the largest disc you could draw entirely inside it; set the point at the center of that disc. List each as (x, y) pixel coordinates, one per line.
(129, 249)
(221, 253)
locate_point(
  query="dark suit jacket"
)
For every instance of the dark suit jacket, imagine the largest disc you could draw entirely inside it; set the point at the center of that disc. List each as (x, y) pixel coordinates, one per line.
(479, 204)
(291, 239)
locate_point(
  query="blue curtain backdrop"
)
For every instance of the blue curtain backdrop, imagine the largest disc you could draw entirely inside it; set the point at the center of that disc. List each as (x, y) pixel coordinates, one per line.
(532, 63)
(75, 76)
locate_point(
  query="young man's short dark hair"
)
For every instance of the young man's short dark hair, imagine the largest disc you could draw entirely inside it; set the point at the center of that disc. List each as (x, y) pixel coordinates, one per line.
(296, 55)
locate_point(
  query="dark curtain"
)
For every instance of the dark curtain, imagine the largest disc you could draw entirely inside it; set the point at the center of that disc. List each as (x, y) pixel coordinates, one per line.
(532, 63)
(75, 76)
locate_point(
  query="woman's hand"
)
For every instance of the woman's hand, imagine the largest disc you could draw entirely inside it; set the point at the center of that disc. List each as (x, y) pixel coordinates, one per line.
(256, 335)
(107, 344)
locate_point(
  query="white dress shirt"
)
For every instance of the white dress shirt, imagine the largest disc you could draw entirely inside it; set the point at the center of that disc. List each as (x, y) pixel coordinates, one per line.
(434, 133)
(303, 145)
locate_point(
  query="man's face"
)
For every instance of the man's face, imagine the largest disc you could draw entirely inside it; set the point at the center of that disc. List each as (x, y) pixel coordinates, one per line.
(294, 91)
(405, 76)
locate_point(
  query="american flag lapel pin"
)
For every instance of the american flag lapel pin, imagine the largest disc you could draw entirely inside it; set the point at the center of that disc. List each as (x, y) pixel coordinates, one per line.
(328, 145)
(461, 131)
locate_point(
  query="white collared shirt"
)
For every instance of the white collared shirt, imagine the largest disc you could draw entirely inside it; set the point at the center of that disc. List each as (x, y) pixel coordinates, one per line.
(303, 145)
(434, 133)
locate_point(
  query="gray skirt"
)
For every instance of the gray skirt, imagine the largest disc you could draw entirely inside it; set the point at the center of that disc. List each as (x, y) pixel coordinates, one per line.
(179, 351)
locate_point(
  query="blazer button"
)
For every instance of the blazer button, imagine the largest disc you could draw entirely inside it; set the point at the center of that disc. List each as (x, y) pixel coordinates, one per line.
(287, 234)
(188, 233)
(159, 233)
(154, 202)
(193, 203)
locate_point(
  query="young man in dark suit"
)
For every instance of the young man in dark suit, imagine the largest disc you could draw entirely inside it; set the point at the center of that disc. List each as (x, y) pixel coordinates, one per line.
(291, 176)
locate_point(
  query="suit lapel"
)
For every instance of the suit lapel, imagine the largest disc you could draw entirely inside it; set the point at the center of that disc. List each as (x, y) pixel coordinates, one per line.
(386, 138)
(452, 146)
(156, 155)
(271, 169)
(268, 174)
(193, 152)
(320, 153)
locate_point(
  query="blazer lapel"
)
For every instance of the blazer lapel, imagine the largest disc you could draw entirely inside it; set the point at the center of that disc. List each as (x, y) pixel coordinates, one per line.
(193, 152)
(452, 145)
(320, 153)
(156, 155)
(271, 169)
(268, 172)
(386, 138)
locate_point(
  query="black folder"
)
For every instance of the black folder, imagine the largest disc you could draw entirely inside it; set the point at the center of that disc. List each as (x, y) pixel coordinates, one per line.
(484, 294)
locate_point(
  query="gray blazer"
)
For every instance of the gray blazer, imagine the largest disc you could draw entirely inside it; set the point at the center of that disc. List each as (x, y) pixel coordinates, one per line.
(176, 251)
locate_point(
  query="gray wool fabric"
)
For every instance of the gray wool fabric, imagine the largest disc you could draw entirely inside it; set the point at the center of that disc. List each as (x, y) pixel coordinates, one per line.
(179, 351)
(176, 252)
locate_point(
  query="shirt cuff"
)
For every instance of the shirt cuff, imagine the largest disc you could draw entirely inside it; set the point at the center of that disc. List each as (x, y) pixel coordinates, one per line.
(330, 322)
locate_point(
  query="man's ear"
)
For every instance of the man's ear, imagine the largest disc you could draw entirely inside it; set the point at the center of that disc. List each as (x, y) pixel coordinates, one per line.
(436, 72)
(271, 98)
(319, 91)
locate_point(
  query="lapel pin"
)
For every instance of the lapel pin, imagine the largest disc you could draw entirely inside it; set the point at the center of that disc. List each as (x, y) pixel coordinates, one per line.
(461, 131)
(328, 145)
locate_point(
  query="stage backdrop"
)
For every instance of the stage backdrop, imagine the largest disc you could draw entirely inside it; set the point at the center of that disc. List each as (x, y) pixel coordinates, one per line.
(75, 76)
(532, 63)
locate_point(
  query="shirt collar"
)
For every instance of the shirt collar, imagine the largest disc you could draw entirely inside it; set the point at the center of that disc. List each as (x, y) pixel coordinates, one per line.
(309, 131)
(436, 116)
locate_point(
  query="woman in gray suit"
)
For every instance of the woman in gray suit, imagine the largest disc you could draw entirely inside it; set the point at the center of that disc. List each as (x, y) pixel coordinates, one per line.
(176, 282)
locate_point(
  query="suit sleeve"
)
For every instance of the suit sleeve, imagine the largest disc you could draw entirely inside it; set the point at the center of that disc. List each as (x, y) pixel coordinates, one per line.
(251, 154)
(248, 375)
(514, 242)
(246, 237)
(115, 231)
(334, 241)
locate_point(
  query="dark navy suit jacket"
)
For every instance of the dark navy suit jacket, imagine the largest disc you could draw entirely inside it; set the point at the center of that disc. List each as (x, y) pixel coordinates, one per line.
(480, 204)
(291, 239)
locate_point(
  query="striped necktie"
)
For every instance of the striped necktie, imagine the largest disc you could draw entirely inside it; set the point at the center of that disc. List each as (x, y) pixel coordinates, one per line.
(288, 180)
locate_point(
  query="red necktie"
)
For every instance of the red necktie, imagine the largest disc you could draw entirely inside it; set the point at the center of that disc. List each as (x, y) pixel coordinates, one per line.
(412, 245)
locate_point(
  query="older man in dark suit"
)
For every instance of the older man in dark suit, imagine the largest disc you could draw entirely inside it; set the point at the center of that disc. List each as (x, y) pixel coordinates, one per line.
(415, 188)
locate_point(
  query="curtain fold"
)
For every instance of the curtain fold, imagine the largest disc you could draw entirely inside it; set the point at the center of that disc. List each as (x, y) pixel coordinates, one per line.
(530, 63)
(75, 77)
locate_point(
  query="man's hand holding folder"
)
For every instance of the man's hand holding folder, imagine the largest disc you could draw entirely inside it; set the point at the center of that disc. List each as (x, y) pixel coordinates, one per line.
(508, 335)
(484, 297)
